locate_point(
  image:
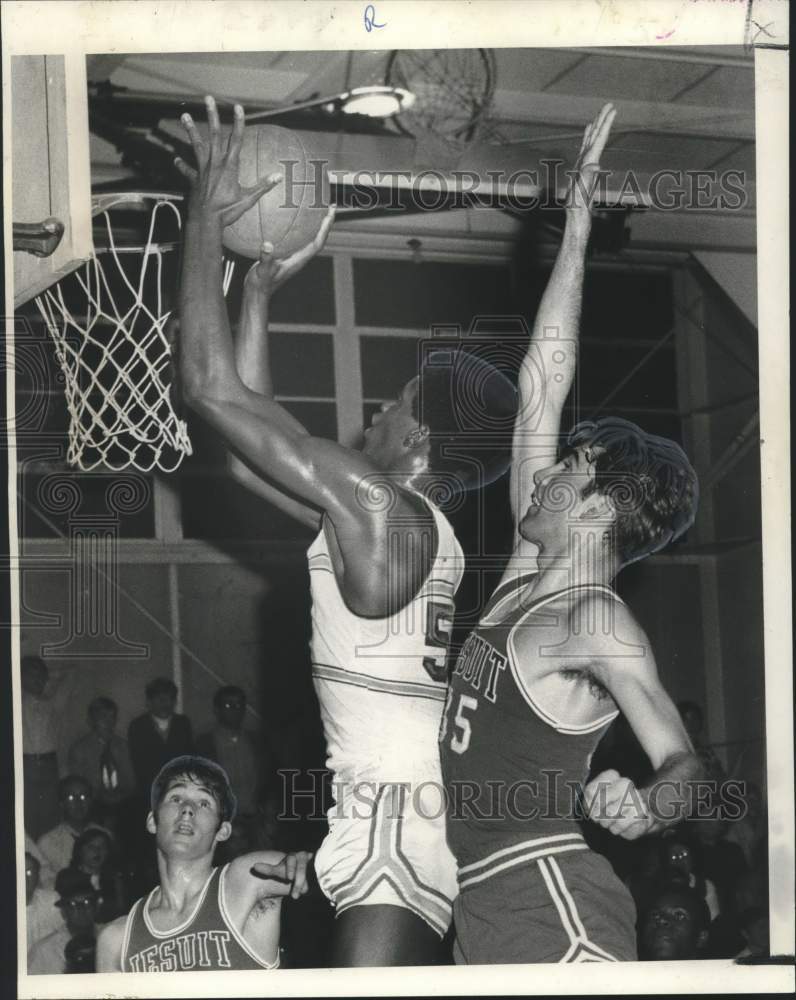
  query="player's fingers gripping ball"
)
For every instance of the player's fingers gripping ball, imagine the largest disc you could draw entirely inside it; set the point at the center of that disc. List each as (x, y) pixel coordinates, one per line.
(291, 214)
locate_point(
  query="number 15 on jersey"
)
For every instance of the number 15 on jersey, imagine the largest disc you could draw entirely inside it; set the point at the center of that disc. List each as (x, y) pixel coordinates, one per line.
(460, 730)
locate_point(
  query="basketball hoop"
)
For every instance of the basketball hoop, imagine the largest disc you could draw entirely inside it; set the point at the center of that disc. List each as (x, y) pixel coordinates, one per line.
(110, 323)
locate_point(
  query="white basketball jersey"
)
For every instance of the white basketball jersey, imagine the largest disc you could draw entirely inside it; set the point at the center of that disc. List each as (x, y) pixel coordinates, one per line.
(381, 682)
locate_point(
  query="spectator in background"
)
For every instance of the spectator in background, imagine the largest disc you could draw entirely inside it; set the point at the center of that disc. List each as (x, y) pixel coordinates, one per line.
(77, 899)
(673, 926)
(102, 758)
(76, 802)
(680, 865)
(42, 708)
(158, 735)
(42, 916)
(46, 873)
(93, 856)
(750, 832)
(693, 721)
(81, 954)
(730, 934)
(644, 877)
(722, 862)
(237, 751)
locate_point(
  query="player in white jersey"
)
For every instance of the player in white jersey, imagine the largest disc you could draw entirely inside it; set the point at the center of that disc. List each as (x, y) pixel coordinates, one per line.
(383, 616)
(381, 686)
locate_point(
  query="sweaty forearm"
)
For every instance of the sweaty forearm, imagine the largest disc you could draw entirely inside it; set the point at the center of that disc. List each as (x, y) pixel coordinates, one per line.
(668, 792)
(251, 345)
(205, 342)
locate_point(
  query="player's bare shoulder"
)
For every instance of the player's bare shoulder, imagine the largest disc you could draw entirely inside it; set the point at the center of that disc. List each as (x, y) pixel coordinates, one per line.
(110, 941)
(612, 632)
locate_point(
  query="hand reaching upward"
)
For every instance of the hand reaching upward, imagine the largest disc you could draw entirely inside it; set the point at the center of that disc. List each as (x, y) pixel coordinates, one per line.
(587, 166)
(269, 272)
(216, 190)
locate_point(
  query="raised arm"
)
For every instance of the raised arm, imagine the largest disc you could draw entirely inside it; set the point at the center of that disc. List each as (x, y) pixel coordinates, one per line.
(316, 472)
(548, 369)
(253, 361)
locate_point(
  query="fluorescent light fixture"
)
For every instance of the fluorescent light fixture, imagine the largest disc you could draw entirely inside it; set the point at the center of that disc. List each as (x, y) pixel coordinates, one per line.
(376, 101)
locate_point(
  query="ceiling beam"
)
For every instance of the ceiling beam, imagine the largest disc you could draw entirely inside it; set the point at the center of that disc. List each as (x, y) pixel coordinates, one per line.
(664, 117)
(657, 53)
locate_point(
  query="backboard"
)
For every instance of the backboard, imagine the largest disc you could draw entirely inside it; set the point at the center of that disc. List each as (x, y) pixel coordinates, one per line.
(50, 164)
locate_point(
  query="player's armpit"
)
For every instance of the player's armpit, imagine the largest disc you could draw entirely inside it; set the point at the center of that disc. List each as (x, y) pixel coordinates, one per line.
(109, 946)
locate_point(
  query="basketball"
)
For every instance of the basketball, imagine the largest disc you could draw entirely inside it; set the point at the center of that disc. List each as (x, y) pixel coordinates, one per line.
(290, 215)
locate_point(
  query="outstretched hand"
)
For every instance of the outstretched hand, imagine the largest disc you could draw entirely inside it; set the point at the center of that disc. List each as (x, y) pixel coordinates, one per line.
(269, 272)
(286, 878)
(215, 185)
(587, 166)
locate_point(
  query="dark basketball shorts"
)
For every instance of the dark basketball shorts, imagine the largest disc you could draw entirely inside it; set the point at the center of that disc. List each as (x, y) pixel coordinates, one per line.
(567, 906)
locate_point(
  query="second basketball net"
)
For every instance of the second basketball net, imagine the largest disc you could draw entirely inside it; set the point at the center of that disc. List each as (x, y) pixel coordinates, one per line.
(290, 215)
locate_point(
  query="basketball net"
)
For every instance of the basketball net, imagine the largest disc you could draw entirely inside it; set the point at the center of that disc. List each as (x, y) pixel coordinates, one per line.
(116, 356)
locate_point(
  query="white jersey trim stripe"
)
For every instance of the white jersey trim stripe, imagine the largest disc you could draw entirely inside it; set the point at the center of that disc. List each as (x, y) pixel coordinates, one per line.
(385, 861)
(523, 846)
(244, 944)
(521, 859)
(551, 720)
(128, 929)
(409, 689)
(188, 920)
(581, 948)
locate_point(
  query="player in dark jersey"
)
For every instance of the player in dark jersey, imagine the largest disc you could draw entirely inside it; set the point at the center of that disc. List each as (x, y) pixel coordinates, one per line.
(200, 917)
(557, 655)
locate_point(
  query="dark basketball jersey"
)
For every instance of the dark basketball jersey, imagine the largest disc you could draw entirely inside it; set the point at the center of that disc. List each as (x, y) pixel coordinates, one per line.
(512, 771)
(206, 940)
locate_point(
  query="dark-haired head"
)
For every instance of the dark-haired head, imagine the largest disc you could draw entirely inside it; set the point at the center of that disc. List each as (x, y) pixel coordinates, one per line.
(201, 771)
(101, 704)
(649, 481)
(160, 685)
(674, 924)
(91, 850)
(469, 407)
(161, 697)
(102, 715)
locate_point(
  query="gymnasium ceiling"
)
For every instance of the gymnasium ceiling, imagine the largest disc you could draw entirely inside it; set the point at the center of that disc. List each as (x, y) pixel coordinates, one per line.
(679, 109)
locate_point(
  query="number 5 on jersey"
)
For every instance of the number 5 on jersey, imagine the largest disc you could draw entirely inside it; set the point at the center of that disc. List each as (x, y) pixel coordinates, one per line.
(439, 625)
(461, 729)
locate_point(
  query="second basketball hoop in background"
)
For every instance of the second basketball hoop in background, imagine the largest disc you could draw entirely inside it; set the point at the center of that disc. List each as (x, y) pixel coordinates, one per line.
(290, 215)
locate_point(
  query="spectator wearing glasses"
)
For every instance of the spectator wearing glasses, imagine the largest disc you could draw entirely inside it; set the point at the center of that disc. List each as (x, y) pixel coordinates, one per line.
(77, 900)
(76, 802)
